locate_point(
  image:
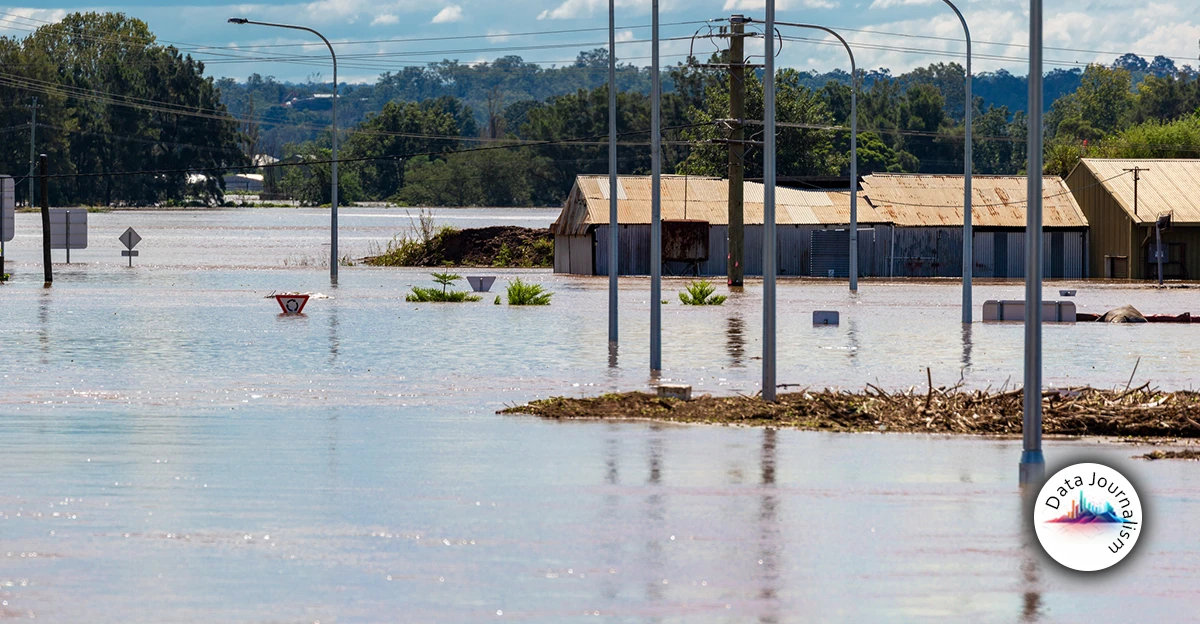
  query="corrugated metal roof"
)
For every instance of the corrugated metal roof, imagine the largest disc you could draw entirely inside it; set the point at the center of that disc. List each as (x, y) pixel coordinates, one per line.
(1168, 186)
(702, 199)
(997, 201)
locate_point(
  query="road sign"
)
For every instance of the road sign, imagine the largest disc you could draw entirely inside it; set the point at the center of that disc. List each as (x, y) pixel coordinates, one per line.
(130, 239)
(8, 204)
(292, 304)
(68, 229)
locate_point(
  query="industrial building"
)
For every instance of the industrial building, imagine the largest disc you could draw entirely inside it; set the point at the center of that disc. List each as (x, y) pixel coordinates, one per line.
(925, 213)
(1123, 199)
(909, 226)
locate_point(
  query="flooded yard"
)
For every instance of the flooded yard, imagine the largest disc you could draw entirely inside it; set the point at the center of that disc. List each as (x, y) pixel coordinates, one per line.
(174, 450)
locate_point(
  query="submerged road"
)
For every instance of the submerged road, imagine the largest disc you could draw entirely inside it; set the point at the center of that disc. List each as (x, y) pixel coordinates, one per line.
(173, 450)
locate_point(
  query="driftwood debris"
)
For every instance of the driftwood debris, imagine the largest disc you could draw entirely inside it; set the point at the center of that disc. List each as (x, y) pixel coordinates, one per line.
(1134, 412)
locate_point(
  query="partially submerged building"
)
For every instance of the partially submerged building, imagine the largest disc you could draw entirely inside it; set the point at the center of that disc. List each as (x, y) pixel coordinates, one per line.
(811, 227)
(909, 226)
(926, 216)
(1123, 210)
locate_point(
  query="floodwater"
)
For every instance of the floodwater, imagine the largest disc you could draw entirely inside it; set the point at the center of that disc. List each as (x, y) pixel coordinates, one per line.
(173, 450)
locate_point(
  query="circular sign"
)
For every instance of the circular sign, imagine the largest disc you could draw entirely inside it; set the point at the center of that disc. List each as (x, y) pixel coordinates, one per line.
(1088, 517)
(292, 305)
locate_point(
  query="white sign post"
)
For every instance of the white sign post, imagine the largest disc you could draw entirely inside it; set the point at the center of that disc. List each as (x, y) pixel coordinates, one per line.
(130, 239)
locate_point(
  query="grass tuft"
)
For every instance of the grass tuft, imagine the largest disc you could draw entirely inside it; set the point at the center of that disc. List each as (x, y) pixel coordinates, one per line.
(700, 293)
(521, 293)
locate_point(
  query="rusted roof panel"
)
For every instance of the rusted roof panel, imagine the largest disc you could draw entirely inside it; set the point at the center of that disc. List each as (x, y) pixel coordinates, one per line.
(702, 199)
(1166, 186)
(997, 201)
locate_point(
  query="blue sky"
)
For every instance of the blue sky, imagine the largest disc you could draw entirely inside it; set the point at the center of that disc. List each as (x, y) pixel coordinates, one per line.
(900, 34)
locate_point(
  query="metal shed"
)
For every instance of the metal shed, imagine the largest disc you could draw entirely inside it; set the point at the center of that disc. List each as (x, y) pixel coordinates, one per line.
(926, 212)
(581, 232)
(1123, 233)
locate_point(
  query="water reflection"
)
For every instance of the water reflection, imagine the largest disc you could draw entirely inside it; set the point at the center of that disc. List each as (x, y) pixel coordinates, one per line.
(655, 517)
(613, 349)
(852, 334)
(769, 531)
(44, 324)
(966, 347)
(735, 341)
(335, 342)
(1031, 569)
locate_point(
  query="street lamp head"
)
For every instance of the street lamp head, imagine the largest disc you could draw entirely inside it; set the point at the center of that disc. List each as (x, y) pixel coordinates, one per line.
(238, 20)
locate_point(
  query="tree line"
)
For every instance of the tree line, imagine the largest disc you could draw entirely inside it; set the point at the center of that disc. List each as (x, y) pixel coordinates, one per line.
(514, 133)
(109, 98)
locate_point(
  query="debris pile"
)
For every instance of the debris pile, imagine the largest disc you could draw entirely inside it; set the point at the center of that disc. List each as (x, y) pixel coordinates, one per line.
(1137, 412)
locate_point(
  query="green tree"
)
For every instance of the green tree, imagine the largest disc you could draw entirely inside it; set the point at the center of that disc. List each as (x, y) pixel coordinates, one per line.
(800, 151)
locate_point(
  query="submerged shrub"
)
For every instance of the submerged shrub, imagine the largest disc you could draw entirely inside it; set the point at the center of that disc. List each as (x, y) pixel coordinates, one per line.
(421, 294)
(521, 293)
(700, 293)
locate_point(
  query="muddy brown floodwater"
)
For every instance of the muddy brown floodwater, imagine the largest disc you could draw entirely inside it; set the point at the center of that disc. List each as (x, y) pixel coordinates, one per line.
(173, 450)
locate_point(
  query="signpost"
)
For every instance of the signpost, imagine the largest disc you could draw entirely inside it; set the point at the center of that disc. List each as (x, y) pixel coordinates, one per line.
(130, 239)
(68, 230)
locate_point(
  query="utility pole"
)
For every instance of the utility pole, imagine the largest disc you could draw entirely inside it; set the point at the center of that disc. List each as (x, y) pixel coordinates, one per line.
(32, 153)
(1137, 177)
(49, 268)
(737, 151)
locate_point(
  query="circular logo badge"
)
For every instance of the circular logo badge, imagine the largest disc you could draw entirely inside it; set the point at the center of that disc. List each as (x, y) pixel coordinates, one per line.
(1088, 517)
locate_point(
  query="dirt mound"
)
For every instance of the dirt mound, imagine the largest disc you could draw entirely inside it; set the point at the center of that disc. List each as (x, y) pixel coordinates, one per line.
(496, 246)
(502, 245)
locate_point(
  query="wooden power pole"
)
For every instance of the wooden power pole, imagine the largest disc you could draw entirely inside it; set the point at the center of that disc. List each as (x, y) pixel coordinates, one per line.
(737, 150)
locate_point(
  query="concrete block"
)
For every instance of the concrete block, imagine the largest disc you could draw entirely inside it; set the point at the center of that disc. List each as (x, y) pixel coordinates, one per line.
(683, 392)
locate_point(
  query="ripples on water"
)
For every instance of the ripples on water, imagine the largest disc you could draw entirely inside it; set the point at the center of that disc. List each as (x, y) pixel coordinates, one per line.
(175, 450)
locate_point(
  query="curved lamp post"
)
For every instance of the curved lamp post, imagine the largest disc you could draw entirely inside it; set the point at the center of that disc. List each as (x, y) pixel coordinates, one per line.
(968, 240)
(853, 151)
(333, 225)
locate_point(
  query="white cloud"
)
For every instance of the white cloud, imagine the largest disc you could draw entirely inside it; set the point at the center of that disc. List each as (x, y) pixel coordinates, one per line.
(782, 5)
(498, 36)
(452, 13)
(887, 4)
(19, 22)
(575, 9)
(385, 19)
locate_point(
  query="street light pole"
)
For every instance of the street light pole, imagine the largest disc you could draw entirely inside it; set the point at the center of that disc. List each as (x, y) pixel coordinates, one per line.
(968, 149)
(853, 150)
(768, 382)
(333, 224)
(613, 248)
(1033, 463)
(655, 201)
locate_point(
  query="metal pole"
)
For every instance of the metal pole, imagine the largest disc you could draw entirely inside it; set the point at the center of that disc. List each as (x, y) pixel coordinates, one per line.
(614, 249)
(1158, 251)
(768, 382)
(1033, 463)
(853, 149)
(32, 153)
(736, 262)
(655, 201)
(333, 225)
(45, 184)
(968, 167)
(68, 237)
